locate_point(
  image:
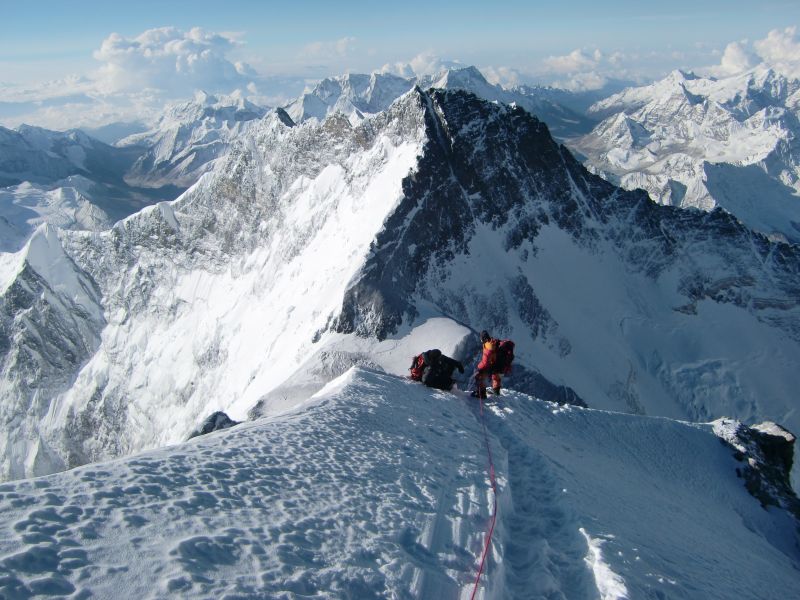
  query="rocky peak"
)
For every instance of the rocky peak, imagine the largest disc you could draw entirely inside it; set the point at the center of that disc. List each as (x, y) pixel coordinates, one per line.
(766, 452)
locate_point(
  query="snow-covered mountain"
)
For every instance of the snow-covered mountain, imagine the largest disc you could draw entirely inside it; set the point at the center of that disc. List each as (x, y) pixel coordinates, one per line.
(704, 142)
(187, 138)
(67, 205)
(579, 101)
(36, 155)
(318, 246)
(357, 96)
(378, 488)
(67, 179)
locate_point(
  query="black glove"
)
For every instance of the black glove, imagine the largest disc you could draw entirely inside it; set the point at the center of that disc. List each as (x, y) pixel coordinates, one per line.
(460, 368)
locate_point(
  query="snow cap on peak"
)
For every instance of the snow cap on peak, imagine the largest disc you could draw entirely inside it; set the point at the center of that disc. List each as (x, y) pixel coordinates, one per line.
(203, 97)
(680, 75)
(466, 76)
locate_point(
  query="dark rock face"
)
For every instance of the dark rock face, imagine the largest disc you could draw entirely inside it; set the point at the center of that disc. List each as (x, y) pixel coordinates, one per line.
(766, 452)
(489, 165)
(453, 190)
(532, 382)
(215, 422)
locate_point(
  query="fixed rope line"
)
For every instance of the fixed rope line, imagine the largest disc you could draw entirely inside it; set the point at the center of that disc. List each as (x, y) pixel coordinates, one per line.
(493, 483)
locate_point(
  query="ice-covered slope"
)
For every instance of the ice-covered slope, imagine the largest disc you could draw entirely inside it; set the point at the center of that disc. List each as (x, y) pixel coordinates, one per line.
(698, 142)
(319, 246)
(378, 489)
(188, 138)
(357, 96)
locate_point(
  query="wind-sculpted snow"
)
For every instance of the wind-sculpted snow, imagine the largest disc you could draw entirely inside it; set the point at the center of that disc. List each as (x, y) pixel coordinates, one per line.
(695, 142)
(378, 488)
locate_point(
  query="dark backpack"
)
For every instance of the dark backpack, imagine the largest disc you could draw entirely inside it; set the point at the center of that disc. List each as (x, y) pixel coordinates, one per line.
(504, 357)
(422, 363)
(434, 369)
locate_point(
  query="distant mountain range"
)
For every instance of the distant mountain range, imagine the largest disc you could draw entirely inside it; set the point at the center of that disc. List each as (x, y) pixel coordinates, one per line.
(702, 142)
(358, 96)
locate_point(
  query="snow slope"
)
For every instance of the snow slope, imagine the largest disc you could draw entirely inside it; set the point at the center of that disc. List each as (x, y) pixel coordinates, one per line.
(226, 318)
(377, 488)
(704, 142)
(25, 206)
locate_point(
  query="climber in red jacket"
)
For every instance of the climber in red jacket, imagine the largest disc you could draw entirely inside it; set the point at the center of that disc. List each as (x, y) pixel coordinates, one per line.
(486, 366)
(495, 362)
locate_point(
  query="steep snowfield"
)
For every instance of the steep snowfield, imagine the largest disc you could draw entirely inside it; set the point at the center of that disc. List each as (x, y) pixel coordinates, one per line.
(189, 333)
(696, 142)
(377, 488)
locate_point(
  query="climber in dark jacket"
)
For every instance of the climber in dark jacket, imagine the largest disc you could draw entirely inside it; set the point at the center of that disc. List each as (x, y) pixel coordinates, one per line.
(434, 369)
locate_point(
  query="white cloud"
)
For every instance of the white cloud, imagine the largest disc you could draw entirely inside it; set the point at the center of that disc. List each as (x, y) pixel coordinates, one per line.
(136, 78)
(504, 76)
(573, 62)
(170, 60)
(322, 50)
(735, 59)
(583, 69)
(425, 63)
(580, 82)
(781, 49)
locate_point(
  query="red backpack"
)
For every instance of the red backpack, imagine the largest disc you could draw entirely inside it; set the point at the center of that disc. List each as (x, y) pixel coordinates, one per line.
(417, 367)
(504, 357)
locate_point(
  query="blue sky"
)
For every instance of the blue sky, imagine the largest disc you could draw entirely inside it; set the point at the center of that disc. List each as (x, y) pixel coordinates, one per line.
(47, 37)
(279, 46)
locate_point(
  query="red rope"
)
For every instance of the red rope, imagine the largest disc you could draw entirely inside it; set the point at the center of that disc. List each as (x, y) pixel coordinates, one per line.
(494, 506)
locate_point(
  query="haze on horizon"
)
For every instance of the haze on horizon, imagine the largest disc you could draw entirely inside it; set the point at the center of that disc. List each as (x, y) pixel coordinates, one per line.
(103, 63)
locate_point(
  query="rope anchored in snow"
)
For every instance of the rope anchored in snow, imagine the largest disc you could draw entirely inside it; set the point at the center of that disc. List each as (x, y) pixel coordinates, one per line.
(493, 519)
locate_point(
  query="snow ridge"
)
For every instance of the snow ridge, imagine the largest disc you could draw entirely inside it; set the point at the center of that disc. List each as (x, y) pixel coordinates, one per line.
(377, 488)
(188, 138)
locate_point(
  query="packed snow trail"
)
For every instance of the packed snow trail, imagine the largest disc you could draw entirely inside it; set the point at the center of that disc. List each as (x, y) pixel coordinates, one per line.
(378, 488)
(375, 491)
(493, 521)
